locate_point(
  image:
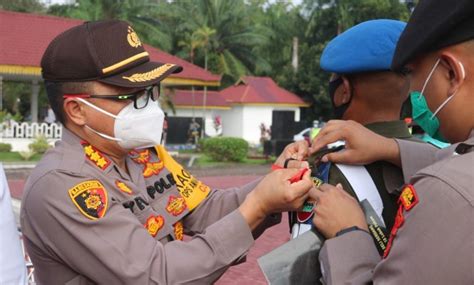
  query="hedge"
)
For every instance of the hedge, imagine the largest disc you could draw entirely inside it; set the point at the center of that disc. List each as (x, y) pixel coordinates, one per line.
(226, 148)
(5, 147)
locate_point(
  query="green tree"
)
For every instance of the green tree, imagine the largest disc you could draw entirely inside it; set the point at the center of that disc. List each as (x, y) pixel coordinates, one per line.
(219, 32)
(325, 19)
(137, 12)
(28, 6)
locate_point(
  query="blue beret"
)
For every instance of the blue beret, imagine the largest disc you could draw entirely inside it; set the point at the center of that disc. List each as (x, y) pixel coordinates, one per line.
(368, 46)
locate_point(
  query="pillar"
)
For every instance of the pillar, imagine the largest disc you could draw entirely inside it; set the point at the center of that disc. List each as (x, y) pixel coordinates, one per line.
(1, 93)
(34, 100)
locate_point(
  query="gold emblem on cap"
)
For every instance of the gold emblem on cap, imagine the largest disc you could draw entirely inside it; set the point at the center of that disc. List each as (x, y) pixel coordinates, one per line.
(150, 75)
(132, 38)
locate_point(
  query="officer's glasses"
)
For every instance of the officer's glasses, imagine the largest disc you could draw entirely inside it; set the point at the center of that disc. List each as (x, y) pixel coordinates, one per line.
(140, 98)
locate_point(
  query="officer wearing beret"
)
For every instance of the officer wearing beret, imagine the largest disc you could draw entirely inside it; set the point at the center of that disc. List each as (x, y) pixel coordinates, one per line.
(363, 89)
(109, 205)
(432, 240)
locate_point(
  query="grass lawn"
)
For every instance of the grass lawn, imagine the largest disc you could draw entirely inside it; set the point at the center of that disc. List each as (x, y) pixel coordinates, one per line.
(206, 161)
(16, 157)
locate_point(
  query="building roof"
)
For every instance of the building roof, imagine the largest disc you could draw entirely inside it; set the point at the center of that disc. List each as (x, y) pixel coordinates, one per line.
(185, 99)
(251, 90)
(25, 37)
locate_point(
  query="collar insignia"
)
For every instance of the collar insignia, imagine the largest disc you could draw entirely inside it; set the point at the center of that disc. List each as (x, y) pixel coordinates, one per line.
(150, 168)
(408, 198)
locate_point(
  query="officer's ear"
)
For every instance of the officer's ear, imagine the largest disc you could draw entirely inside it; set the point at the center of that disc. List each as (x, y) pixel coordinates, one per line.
(74, 111)
(454, 71)
(347, 89)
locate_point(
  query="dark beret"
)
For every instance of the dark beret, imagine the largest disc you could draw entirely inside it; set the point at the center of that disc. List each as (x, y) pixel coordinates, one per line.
(435, 24)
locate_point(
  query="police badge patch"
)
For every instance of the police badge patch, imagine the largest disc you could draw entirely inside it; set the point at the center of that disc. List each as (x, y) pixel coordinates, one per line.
(176, 205)
(154, 224)
(90, 197)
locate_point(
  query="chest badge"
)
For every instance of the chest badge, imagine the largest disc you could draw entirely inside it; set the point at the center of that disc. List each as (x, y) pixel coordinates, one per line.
(90, 197)
(176, 205)
(154, 224)
(123, 187)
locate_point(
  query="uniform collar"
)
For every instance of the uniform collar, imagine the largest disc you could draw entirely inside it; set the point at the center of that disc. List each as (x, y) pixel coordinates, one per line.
(88, 151)
(73, 153)
(466, 146)
(79, 156)
(390, 129)
(470, 139)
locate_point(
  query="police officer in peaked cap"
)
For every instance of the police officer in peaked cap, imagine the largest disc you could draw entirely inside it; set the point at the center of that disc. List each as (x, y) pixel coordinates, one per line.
(432, 241)
(108, 204)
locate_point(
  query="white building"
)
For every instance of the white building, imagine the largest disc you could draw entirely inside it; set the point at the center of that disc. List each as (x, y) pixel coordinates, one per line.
(241, 107)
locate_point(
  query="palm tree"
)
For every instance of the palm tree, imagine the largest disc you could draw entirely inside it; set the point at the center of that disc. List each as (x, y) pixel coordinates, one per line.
(218, 34)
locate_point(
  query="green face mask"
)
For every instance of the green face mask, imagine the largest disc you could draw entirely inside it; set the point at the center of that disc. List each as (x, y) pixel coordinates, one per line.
(423, 116)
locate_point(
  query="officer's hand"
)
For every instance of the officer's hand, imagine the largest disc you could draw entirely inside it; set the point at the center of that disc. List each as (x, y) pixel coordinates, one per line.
(336, 210)
(275, 194)
(362, 145)
(298, 151)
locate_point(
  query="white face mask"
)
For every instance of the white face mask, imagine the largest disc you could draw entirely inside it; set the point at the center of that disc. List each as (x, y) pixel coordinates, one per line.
(134, 128)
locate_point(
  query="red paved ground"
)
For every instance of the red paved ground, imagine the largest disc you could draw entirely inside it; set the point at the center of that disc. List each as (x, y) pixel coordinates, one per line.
(249, 272)
(246, 273)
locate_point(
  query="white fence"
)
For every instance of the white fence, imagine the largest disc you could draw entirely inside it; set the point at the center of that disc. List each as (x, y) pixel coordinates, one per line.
(20, 135)
(14, 130)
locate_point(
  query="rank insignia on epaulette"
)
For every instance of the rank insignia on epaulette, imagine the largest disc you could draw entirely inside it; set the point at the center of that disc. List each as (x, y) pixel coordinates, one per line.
(123, 187)
(178, 231)
(176, 205)
(408, 198)
(154, 224)
(95, 156)
(90, 197)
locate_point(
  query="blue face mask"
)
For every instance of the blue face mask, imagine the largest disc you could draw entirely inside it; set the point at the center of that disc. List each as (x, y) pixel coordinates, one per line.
(422, 115)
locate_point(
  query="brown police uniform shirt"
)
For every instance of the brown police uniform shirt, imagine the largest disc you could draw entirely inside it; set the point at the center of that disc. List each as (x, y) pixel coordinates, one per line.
(87, 221)
(433, 238)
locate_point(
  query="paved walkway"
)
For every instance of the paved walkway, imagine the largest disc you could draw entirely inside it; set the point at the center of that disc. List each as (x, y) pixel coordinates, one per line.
(246, 273)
